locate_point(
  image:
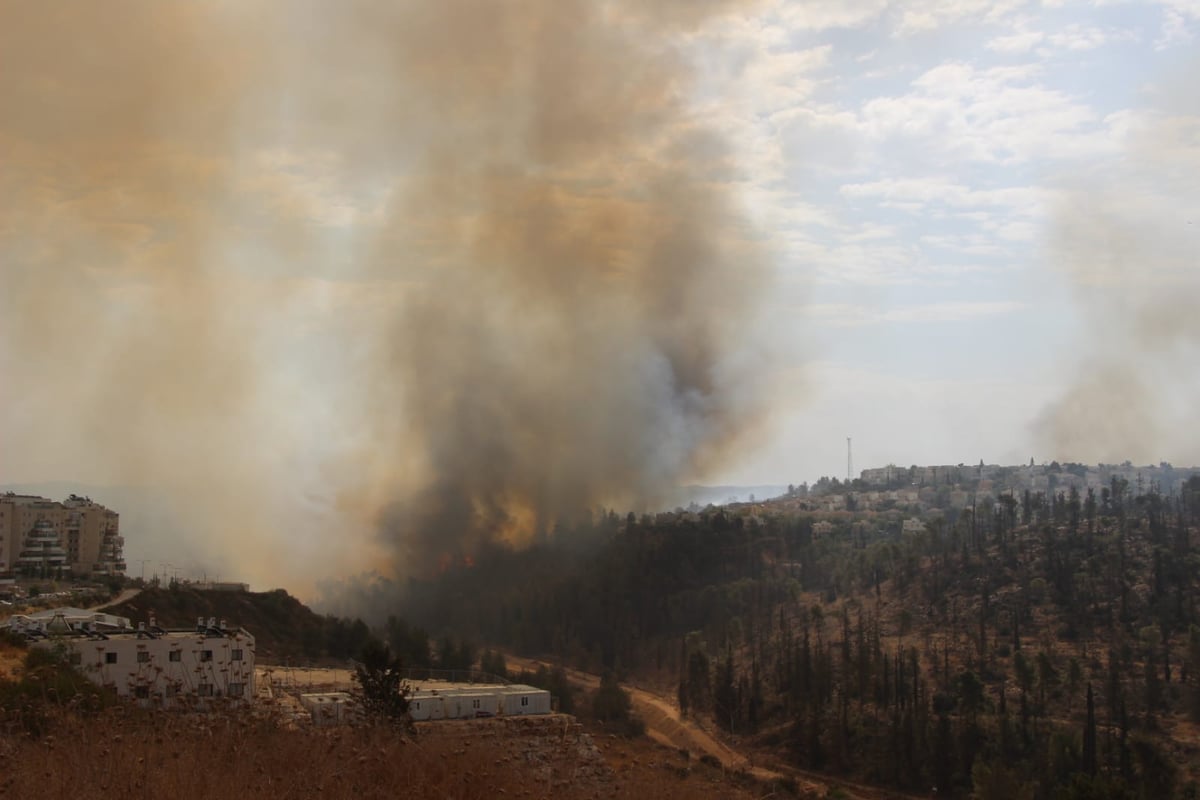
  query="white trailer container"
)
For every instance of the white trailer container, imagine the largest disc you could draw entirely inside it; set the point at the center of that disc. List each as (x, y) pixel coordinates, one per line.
(330, 708)
(458, 705)
(477, 704)
(518, 699)
(423, 706)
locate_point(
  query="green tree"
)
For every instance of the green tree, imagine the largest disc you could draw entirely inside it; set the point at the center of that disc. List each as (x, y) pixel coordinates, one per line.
(698, 682)
(1074, 679)
(998, 782)
(726, 705)
(1047, 677)
(612, 705)
(493, 663)
(381, 683)
(1089, 736)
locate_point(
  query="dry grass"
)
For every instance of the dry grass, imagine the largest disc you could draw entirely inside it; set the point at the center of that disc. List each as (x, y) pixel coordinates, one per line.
(122, 751)
(129, 753)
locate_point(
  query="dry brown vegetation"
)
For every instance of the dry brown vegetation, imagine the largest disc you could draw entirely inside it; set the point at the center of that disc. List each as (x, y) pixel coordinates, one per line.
(59, 735)
(125, 752)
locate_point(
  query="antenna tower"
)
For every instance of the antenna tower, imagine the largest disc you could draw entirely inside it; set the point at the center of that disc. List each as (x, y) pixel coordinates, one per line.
(849, 462)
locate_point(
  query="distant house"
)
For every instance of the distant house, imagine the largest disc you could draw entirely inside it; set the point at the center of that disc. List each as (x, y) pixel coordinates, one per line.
(822, 528)
(913, 526)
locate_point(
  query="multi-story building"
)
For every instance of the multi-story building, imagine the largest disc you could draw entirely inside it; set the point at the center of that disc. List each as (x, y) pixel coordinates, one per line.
(157, 666)
(87, 533)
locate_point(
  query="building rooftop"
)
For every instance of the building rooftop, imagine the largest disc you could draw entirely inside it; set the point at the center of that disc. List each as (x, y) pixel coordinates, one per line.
(449, 689)
(74, 616)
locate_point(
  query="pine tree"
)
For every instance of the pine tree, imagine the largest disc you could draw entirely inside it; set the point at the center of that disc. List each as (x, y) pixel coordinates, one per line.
(1089, 735)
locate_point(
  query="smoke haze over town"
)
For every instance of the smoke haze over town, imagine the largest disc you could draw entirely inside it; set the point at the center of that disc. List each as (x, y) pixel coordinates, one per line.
(353, 284)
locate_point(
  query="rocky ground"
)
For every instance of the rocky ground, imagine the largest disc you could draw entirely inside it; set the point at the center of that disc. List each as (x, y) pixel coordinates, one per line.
(560, 758)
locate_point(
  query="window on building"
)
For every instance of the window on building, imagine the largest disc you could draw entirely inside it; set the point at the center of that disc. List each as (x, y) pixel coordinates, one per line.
(141, 692)
(204, 690)
(143, 656)
(524, 701)
(474, 704)
(235, 655)
(206, 655)
(174, 655)
(235, 690)
(110, 658)
(417, 705)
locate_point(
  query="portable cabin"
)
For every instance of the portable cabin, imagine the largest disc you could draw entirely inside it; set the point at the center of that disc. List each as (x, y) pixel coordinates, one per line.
(516, 700)
(457, 705)
(329, 708)
(423, 706)
(469, 705)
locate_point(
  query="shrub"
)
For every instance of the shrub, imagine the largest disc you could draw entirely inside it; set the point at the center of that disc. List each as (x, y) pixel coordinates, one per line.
(611, 703)
(49, 682)
(384, 691)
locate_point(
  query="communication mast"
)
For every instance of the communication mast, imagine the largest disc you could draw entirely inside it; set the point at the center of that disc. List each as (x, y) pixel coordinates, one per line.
(849, 462)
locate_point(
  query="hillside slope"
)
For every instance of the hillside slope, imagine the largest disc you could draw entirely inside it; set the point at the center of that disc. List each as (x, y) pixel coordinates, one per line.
(1045, 644)
(284, 628)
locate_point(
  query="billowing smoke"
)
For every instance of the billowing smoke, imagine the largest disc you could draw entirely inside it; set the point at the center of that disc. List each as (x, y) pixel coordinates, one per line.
(574, 344)
(1129, 240)
(449, 269)
(127, 335)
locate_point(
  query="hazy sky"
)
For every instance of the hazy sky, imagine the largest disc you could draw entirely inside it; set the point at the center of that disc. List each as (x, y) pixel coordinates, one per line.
(965, 199)
(952, 229)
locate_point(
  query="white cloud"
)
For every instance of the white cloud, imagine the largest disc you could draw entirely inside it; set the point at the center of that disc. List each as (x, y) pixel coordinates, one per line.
(818, 15)
(1176, 30)
(779, 80)
(849, 315)
(989, 115)
(1078, 37)
(923, 192)
(1020, 42)
(926, 15)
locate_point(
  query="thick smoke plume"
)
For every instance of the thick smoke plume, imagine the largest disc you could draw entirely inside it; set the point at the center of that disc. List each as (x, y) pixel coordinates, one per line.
(449, 269)
(1129, 241)
(574, 344)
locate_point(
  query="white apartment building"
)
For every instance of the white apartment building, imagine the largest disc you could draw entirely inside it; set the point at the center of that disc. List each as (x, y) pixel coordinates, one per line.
(160, 667)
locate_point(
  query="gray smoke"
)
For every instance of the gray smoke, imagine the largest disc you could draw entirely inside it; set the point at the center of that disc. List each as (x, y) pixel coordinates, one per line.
(454, 269)
(581, 279)
(1128, 237)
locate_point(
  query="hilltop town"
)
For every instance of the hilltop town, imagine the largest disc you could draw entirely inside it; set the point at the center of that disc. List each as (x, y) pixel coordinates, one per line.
(923, 489)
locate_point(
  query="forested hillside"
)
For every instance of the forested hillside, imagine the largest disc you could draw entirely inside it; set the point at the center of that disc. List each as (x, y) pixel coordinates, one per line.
(1036, 646)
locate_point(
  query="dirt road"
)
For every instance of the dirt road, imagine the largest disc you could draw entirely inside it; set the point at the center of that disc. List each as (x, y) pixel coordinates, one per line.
(127, 594)
(664, 725)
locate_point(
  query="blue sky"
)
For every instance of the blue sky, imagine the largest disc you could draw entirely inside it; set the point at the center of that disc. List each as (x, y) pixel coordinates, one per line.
(910, 163)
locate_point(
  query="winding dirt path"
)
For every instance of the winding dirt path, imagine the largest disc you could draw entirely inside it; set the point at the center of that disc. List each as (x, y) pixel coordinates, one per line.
(127, 594)
(664, 725)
